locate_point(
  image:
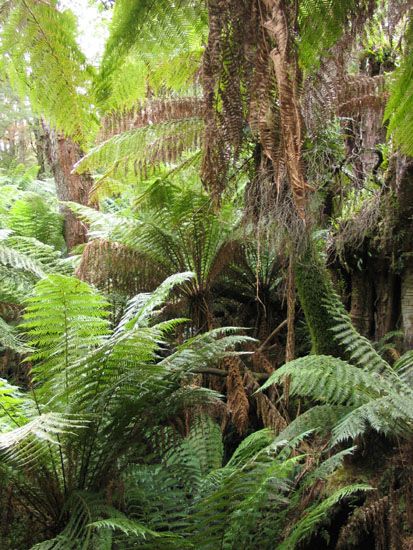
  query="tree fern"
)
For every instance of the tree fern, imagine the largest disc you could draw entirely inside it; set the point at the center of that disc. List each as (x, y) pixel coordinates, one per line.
(96, 389)
(182, 233)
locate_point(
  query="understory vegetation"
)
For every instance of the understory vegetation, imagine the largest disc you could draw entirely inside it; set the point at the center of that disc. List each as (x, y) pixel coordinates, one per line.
(206, 275)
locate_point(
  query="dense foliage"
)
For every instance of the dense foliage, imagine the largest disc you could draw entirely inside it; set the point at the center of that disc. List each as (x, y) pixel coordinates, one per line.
(206, 276)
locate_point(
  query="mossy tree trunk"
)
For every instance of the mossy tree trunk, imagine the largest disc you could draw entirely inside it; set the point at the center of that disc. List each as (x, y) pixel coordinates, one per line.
(314, 288)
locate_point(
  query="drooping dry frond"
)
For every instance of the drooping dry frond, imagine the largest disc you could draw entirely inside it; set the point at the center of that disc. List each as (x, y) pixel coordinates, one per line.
(360, 93)
(151, 112)
(279, 27)
(226, 77)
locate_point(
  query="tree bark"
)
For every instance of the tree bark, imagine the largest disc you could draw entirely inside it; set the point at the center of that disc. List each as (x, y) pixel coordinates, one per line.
(361, 312)
(404, 231)
(62, 154)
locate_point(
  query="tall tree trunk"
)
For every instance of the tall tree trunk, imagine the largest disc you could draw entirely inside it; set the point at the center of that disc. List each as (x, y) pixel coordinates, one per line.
(62, 154)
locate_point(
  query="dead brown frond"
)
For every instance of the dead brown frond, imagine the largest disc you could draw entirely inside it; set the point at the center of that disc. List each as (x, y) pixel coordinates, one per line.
(267, 411)
(154, 111)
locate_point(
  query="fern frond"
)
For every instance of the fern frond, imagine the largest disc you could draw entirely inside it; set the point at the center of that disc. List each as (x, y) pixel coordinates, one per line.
(25, 444)
(43, 62)
(151, 44)
(17, 260)
(321, 25)
(31, 216)
(140, 309)
(383, 403)
(144, 149)
(321, 419)
(404, 367)
(328, 379)
(10, 339)
(399, 107)
(63, 320)
(360, 350)
(124, 525)
(390, 415)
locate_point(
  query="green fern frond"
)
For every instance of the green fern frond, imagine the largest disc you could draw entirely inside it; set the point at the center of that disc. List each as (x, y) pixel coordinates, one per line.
(381, 402)
(43, 62)
(399, 107)
(24, 445)
(328, 379)
(126, 526)
(13, 410)
(322, 23)
(140, 309)
(144, 149)
(17, 260)
(251, 446)
(151, 45)
(320, 418)
(31, 216)
(359, 349)
(390, 415)
(404, 367)
(9, 338)
(63, 320)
